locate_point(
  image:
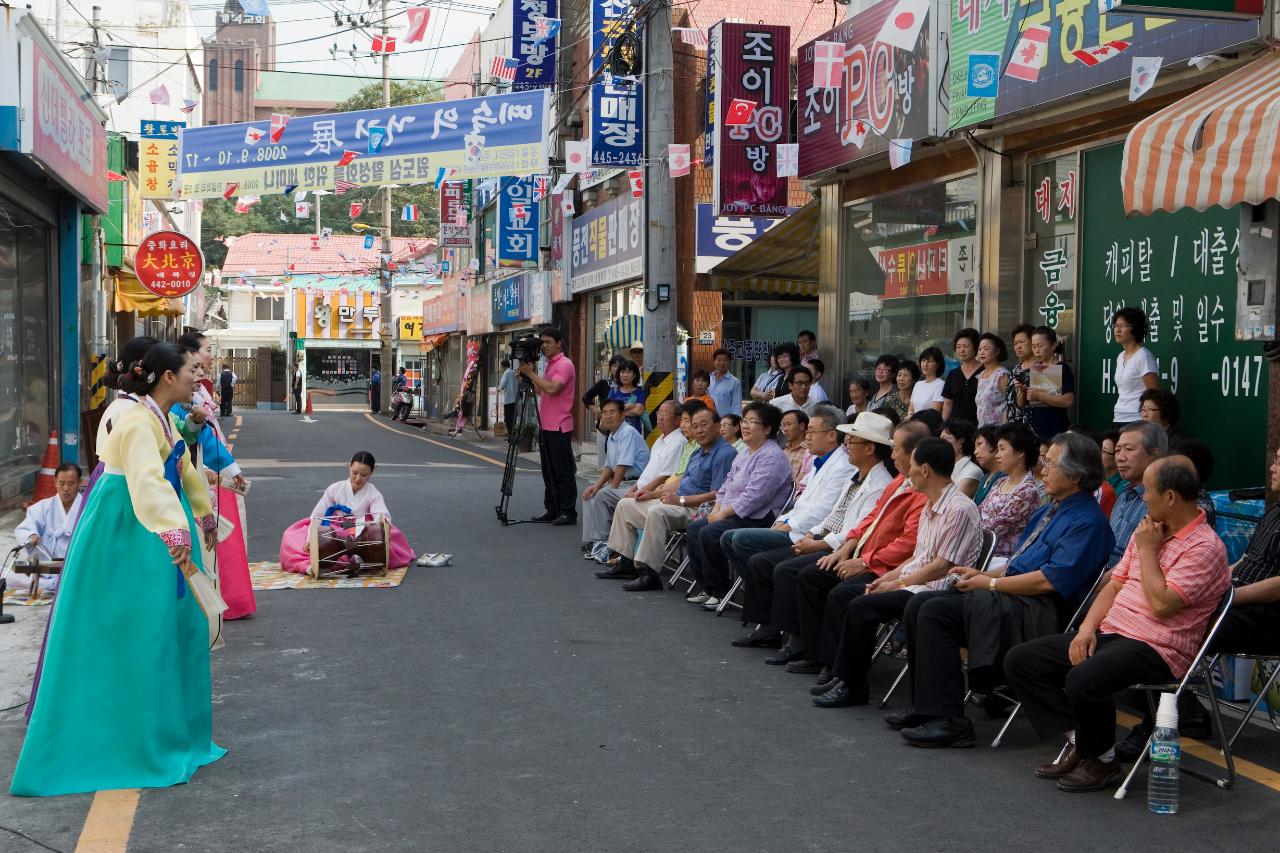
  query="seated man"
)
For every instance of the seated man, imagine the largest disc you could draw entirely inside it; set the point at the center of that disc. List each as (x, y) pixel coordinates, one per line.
(799, 381)
(1140, 443)
(706, 471)
(1252, 626)
(663, 459)
(752, 494)
(1145, 626)
(950, 535)
(810, 595)
(1033, 594)
(868, 447)
(626, 455)
(46, 530)
(814, 497)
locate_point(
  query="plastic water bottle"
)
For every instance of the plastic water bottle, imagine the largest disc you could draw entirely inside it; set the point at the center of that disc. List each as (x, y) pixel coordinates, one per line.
(1166, 753)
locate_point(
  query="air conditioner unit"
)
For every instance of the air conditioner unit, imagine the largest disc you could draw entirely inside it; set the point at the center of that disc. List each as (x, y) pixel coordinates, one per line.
(589, 196)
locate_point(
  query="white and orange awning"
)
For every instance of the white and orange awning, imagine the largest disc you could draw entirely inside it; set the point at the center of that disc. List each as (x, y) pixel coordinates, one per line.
(1217, 146)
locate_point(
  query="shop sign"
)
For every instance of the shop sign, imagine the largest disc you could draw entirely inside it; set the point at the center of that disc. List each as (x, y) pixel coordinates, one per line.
(510, 299)
(755, 65)
(720, 236)
(885, 93)
(749, 349)
(1209, 9)
(919, 270)
(539, 297)
(479, 310)
(158, 158)
(337, 314)
(440, 315)
(607, 245)
(410, 328)
(710, 97)
(963, 261)
(504, 134)
(518, 224)
(169, 264)
(537, 68)
(59, 130)
(617, 103)
(559, 290)
(454, 200)
(1073, 25)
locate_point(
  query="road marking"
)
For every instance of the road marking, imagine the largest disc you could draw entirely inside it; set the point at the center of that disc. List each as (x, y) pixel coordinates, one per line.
(1205, 752)
(369, 416)
(109, 822)
(239, 421)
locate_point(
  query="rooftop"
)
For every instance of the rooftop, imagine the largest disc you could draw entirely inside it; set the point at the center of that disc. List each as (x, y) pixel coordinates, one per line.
(274, 254)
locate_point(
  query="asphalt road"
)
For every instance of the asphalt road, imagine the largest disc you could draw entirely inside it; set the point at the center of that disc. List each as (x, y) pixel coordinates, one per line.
(512, 702)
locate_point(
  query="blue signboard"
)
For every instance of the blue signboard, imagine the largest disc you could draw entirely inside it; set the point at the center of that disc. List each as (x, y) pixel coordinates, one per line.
(517, 224)
(607, 245)
(477, 137)
(509, 299)
(537, 68)
(720, 236)
(617, 123)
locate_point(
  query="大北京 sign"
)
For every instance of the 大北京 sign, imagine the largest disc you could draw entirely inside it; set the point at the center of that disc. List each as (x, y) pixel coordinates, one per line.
(168, 264)
(505, 135)
(606, 245)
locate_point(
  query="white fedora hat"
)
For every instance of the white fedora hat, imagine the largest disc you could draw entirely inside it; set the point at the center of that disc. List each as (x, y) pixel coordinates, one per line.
(870, 427)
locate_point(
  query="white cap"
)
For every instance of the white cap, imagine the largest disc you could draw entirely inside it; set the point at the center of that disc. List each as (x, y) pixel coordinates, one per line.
(1167, 713)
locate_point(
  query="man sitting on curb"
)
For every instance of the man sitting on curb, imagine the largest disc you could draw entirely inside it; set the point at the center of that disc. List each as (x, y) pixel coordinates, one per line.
(1033, 594)
(625, 455)
(1145, 626)
(704, 475)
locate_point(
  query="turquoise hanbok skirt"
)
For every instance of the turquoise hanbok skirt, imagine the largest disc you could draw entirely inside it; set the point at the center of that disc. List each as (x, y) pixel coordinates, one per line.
(125, 696)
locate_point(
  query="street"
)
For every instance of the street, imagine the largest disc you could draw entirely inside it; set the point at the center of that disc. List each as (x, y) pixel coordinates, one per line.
(511, 701)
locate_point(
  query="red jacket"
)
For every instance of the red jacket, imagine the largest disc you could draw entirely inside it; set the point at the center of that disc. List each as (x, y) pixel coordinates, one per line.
(893, 540)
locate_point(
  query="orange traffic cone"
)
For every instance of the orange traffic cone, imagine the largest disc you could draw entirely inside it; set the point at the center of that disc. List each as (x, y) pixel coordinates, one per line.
(310, 411)
(45, 479)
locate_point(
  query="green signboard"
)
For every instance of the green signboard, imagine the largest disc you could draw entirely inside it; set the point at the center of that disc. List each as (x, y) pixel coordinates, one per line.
(1181, 269)
(1209, 9)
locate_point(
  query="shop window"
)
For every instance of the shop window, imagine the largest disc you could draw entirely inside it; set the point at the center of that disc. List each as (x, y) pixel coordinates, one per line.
(239, 75)
(118, 67)
(1053, 188)
(268, 308)
(213, 75)
(908, 273)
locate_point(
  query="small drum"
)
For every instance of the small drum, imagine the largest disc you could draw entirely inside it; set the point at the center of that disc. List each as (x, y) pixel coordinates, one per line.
(35, 567)
(349, 546)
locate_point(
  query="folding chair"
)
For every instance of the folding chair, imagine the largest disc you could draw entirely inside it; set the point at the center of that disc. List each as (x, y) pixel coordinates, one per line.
(1199, 665)
(675, 544)
(985, 552)
(1248, 710)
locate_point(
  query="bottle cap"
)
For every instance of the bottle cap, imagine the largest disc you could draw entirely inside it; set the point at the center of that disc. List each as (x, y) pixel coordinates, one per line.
(1167, 714)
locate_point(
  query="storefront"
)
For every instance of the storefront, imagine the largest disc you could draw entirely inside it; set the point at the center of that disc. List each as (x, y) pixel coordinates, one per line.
(52, 169)
(339, 332)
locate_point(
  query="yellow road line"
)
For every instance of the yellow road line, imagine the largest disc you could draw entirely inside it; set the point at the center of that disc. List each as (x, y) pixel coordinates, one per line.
(109, 822)
(1205, 752)
(239, 420)
(373, 420)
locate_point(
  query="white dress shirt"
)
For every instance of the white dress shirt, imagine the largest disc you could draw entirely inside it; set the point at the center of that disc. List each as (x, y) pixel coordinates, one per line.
(860, 506)
(664, 458)
(822, 486)
(787, 403)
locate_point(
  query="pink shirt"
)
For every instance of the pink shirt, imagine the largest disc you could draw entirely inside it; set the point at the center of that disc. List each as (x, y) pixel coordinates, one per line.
(1194, 562)
(555, 411)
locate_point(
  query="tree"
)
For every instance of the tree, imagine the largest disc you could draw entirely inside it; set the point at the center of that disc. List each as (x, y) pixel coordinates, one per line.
(220, 219)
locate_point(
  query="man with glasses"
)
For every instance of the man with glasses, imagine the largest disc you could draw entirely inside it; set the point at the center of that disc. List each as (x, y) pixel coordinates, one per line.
(799, 380)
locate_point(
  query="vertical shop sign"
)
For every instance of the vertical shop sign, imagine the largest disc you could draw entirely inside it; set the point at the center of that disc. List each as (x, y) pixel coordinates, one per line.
(517, 224)
(713, 75)
(158, 158)
(537, 68)
(617, 103)
(454, 230)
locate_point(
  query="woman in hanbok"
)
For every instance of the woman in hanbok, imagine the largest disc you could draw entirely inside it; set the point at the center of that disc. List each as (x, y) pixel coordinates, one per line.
(353, 497)
(125, 698)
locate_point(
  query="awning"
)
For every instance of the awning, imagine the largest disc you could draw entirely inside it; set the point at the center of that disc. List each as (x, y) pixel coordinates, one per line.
(132, 296)
(782, 260)
(430, 342)
(1218, 146)
(625, 331)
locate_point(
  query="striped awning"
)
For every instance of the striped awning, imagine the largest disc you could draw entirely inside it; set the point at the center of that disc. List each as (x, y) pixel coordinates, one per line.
(782, 260)
(624, 331)
(1217, 146)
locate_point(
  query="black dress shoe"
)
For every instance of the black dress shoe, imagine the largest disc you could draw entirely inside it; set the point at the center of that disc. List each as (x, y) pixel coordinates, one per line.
(618, 572)
(905, 719)
(939, 732)
(825, 675)
(784, 656)
(823, 686)
(805, 667)
(545, 517)
(649, 580)
(763, 637)
(842, 696)
(564, 520)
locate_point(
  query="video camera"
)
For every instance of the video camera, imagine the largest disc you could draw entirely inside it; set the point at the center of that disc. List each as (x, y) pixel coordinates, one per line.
(526, 350)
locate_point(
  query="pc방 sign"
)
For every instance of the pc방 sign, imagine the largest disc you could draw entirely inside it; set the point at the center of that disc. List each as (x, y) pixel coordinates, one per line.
(721, 236)
(537, 58)
(169, 264)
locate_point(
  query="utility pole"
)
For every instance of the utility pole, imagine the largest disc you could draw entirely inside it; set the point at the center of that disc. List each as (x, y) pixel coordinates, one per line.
(659, 191)
(384, 279)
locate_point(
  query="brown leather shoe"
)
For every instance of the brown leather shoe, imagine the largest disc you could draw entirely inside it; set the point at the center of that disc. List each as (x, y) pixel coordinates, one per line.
(1092, 775)
(1058, 769)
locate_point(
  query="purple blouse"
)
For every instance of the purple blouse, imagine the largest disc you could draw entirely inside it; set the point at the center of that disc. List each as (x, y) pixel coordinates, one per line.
(759, 482)
(1005, 513)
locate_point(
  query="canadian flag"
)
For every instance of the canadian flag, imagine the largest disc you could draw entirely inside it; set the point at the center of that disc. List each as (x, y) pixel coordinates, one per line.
(355, 209)
(1094, 55)
(855, 132)
(788, 159)
(637, 182)
(902, 27)
(828, 64)
(1029, 56)
(740, 112)
(278, 123)
(418, 19)
(384, 44)
(252, 135)
(678, 160)
(577, 156)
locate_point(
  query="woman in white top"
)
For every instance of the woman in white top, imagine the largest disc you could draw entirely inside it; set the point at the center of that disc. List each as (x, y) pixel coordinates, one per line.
(1136, 369)
(960, 434)
(859, 397)
(927, 392)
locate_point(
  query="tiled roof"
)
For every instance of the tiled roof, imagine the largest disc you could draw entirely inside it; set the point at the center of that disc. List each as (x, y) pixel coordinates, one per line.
(272, 254)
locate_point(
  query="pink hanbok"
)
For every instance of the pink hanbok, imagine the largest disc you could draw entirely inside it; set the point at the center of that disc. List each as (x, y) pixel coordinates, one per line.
(363, 505)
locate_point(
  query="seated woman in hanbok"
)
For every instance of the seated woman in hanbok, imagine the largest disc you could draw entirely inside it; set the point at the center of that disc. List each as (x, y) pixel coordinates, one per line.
(125, 699)
(354, 498)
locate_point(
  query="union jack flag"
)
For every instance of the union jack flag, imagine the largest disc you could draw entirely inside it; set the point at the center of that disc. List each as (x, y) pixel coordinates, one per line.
(344, 187)
(541, 184)
(504, 68)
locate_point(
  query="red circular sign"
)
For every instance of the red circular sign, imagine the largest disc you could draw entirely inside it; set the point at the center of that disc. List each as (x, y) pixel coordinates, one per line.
(169, 264)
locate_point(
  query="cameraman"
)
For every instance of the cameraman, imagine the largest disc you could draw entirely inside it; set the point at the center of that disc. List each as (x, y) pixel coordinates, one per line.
(555, 390)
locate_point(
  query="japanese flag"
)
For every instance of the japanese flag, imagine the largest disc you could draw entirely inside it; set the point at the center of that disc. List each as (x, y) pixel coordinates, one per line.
(1094, 55)
(160, 95)
(899, 153)
(788, 159)
(1030, 54)
(855, 133)
(902, 27)
(636, 177)
(278, 123)
(253, 135)
(418, 19)
(740, 112)
(828, 64)
(1143, 75)
(678, 160)
(566, 205)
(577, 156)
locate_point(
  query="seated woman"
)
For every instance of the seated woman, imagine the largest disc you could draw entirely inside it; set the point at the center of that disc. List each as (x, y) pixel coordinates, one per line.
(984, 454)
(960, 434)
(354, 497)
(1015, 498)
(731, 431)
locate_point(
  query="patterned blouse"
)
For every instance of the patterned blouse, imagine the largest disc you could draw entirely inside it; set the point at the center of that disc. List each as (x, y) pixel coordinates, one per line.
(991, 400)
(1005, 513)
(1014, 413)
(891, 400)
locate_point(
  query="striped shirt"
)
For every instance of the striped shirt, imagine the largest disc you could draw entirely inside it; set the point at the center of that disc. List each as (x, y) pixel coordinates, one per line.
(1261, 560)
(1126, 515)
(950, 529)
(1194, 562)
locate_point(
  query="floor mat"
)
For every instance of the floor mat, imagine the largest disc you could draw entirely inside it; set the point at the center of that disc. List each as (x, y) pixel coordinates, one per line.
(269, 575)
(20, 596)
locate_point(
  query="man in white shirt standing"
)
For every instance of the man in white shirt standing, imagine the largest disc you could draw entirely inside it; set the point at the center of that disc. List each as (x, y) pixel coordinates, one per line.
(46, 531)
(800, 380)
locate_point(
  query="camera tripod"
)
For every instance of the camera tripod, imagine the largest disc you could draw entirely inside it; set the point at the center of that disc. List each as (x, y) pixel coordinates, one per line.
(526, 411)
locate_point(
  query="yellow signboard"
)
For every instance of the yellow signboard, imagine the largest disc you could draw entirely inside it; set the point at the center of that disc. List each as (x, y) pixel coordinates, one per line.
(158, 158)
(410, 328)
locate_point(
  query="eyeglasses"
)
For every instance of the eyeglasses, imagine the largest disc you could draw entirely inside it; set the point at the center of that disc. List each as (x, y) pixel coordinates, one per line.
(751, 421)
(1149, 410)
(1047, 464)
(801, 381)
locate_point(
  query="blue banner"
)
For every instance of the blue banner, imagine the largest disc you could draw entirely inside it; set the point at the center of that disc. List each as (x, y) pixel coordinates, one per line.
(617, 123)
(509, 299)
(477, 137)
(517, 224)
(537, 68)
(721, 236)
